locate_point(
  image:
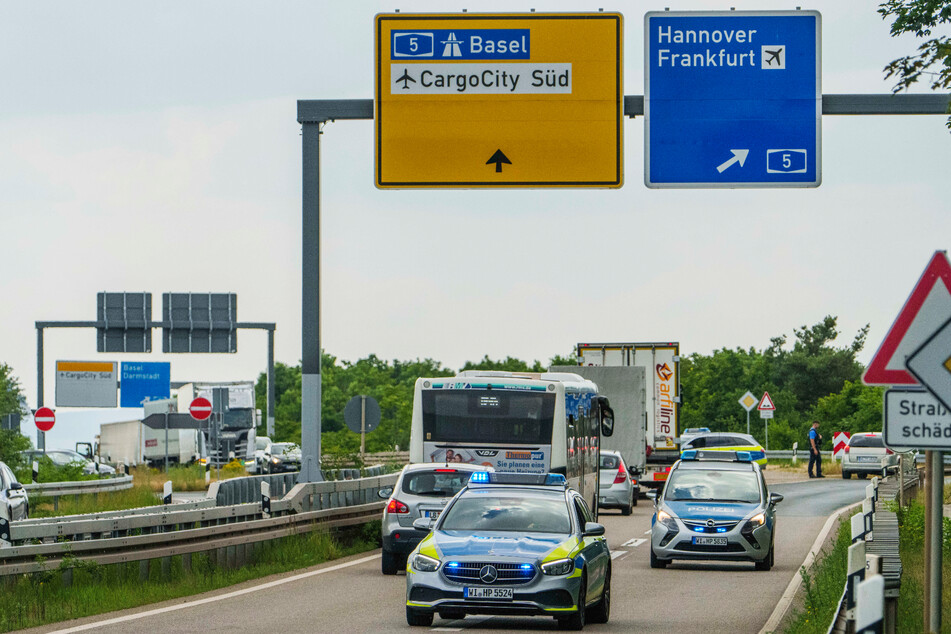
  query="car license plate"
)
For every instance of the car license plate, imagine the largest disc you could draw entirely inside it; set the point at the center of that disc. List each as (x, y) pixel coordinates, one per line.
(433, 514)
(488, 593)
(866, 459)
(709, 541)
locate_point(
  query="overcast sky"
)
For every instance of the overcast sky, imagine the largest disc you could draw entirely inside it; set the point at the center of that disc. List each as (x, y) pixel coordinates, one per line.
(155, 148)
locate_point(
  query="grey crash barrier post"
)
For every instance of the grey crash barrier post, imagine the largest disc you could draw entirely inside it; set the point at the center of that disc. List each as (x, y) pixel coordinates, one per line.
(870, 610)
(36, 472)
(795, 450)
(858, 527)
(266, 499)
(208, 472)
(868, 511)
(856, 574)
(167, 492)
(4, 527)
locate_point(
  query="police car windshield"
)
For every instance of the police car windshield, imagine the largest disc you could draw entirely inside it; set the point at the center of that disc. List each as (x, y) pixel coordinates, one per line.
(508, 511)
(712, 485)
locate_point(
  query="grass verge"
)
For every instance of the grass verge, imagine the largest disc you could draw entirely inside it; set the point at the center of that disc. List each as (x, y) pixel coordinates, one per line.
(136, 497)
(829, 467)
(911, 597)
(32, 600)
(823, 586)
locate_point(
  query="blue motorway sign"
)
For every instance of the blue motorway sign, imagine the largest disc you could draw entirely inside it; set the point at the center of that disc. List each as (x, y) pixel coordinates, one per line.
(732, 99)
(140, 381)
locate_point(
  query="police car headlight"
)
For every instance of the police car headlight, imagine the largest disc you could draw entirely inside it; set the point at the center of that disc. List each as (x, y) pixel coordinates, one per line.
(757, 520)
(559, 567)
(667, 520)
(422, 563)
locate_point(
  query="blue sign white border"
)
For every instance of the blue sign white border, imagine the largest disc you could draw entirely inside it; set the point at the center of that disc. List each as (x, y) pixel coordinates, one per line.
(740, 184)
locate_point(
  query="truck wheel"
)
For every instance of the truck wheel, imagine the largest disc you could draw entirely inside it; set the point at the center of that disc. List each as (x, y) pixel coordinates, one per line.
(846, 475)
(418, 617)
(636, 495)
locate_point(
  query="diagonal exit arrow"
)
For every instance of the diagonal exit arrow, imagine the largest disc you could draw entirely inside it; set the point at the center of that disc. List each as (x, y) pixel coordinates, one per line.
(498, 158)
(739, 156)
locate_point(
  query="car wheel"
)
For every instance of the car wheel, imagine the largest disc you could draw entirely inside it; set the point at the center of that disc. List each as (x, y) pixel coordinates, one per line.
(657, 563)
(418, 617)
(767, 562)
(389, 563)
(846, 475)
(863, 476)
(576, 620)
(626, 510)
(601, 611)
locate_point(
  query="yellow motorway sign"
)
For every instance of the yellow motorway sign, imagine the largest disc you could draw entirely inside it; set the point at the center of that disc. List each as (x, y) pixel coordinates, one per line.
(499, 100)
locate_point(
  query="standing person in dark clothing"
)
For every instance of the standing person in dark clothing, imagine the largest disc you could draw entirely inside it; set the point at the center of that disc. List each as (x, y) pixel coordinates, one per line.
(815, 446)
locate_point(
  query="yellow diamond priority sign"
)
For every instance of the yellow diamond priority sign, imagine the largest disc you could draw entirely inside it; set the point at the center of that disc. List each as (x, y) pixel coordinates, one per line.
(508, 100)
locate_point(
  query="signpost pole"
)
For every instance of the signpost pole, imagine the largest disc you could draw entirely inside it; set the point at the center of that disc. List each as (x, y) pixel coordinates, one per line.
(766, 426)
(747, 422)
(40, 435)
(929, 482)
(935, 501)
(166, 440)
(270, 383)
(363, 426)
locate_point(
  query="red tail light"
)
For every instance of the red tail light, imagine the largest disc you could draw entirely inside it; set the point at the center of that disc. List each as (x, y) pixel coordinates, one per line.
(648, 451)
(395, 506)
(847, 449)
(621, 475)
(888, 451)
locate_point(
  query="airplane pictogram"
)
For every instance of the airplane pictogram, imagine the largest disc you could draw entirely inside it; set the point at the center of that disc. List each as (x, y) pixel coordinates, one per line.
(405, 79)
(774, 55)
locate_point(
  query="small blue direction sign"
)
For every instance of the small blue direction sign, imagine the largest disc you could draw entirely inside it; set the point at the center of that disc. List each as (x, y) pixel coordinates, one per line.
(141, 381)
(732, 99)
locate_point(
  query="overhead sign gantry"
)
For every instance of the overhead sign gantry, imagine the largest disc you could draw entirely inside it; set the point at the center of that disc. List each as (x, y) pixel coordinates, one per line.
(508, 100)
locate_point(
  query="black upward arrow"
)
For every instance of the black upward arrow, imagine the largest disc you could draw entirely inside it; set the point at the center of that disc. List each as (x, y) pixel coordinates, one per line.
(498, 158)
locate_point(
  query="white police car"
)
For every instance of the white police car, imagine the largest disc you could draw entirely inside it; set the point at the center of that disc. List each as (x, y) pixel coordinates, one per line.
(511, 544)
(715, 505)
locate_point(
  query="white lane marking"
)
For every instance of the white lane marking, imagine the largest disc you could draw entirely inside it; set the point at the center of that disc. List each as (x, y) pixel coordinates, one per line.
(633, 543)
(463, 623)
(220, 597)
(647, 532)
(618, 553)
(780, 610)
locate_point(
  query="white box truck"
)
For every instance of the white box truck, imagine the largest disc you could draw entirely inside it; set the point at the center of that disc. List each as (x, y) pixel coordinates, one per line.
(132, 443)
(235, 439)
(660, 362)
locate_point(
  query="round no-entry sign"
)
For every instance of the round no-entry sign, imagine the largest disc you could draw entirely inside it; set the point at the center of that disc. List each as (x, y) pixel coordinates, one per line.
(200, 409)
(44, 419)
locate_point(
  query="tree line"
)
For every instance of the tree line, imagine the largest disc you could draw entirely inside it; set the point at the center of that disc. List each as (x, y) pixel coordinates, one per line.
(809, 377)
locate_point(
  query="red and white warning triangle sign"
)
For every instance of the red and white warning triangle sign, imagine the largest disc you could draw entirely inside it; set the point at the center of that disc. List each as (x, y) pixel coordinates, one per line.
(925, 310)
(766, 403)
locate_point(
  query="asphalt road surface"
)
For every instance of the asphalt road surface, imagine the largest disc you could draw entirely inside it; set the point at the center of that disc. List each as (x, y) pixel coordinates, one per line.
(351, 595)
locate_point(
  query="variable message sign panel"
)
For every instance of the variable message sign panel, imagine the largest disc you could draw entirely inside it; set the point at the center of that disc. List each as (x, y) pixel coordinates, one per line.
(509, 100)
(732, 99)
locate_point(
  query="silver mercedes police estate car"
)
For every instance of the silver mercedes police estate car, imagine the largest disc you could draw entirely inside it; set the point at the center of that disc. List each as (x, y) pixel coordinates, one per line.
(511, 544)
(715, 505)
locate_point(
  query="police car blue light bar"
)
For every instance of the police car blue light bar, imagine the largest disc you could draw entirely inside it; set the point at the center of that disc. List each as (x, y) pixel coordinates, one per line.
(495, 477)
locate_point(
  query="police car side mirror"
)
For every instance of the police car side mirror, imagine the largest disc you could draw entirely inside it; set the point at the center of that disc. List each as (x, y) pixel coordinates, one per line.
(775, 498)
(385, 492)
(593, 529)
(423, 523)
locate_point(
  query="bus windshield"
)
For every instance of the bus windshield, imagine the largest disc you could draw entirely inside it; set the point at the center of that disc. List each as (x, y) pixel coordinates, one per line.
(488, 416)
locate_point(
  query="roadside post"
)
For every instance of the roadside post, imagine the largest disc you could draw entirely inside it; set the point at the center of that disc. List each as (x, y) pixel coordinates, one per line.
(748, 402)
(36, 472)
(362, 415)
(870, 606)
(4, 527)
(266, 499)
(795, 450)
(766, 409)
(856, 574)
(167, 492)
(916, 353)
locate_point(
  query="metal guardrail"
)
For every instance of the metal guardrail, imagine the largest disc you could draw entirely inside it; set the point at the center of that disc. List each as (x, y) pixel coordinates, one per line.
(79, 487)
(160, 532)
